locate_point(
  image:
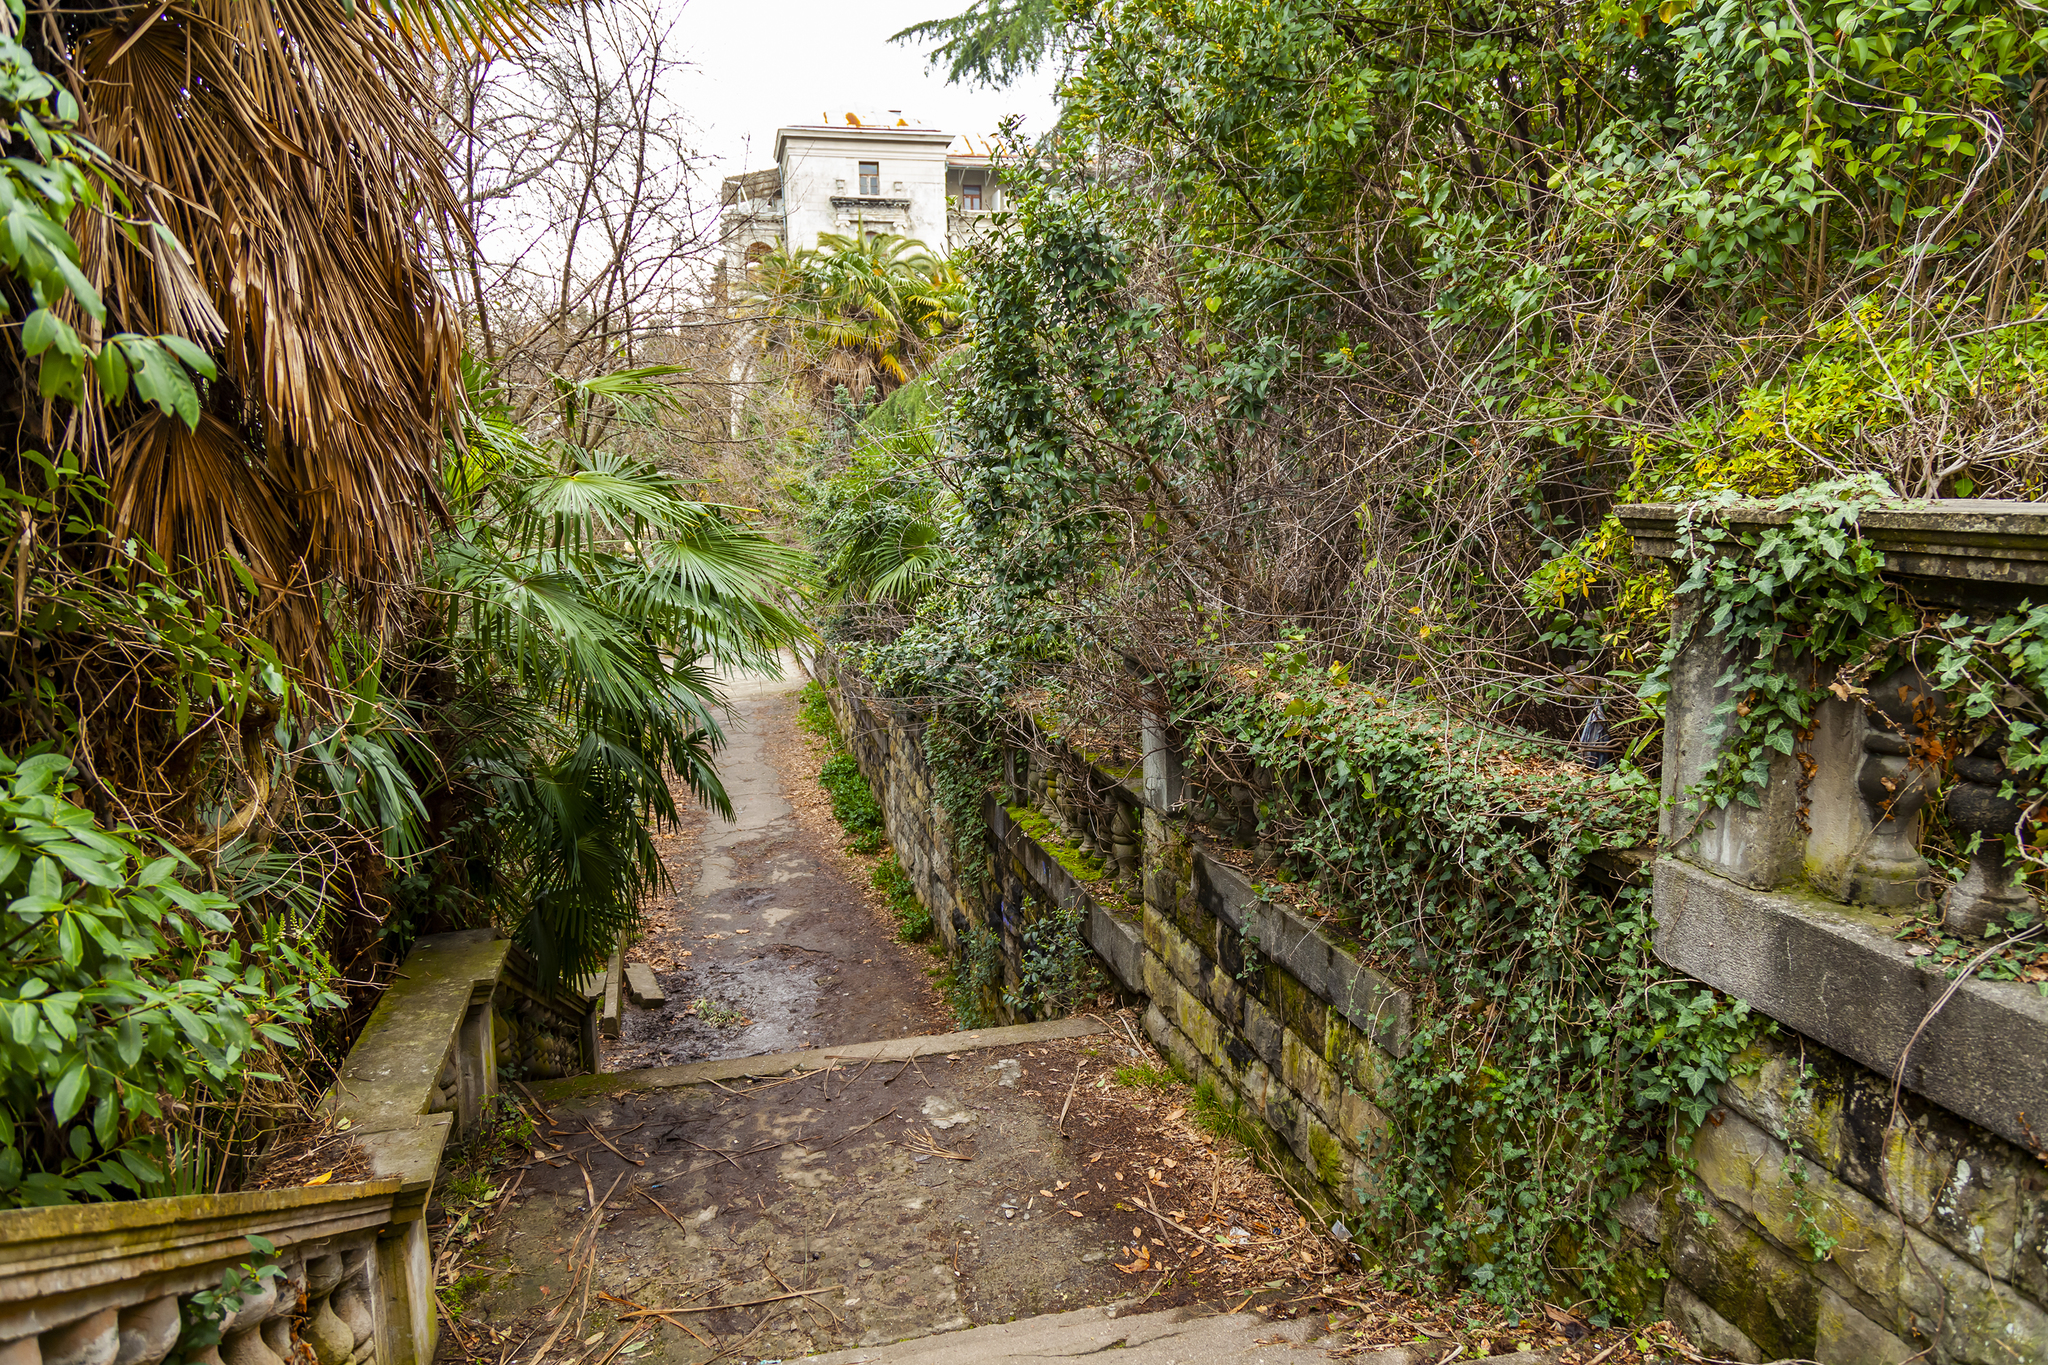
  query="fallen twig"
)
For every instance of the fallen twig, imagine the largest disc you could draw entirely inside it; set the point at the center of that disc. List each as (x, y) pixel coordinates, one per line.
(905, 1067)
(1062, 1124)
(863, 1128)
(607, 1142)
(664, 1317)
(583, 1267)
(715, 1152)
(720, 1307)
(1164, 1221)
(663, 1207)
(929, 1145)
(536, 1102)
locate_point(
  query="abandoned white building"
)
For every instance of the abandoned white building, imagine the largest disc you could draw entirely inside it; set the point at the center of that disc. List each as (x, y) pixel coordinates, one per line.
(877, 173)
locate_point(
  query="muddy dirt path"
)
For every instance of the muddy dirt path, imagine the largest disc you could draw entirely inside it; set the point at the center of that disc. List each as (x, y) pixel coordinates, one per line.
(772, 939)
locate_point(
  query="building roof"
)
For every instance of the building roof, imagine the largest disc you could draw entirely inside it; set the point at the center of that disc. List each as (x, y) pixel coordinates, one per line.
(753, 185)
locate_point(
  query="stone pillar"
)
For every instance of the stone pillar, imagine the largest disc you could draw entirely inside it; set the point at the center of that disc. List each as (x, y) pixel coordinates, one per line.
(476, 1073)
(1162, 764)
(1758, 846)
(406, 1324)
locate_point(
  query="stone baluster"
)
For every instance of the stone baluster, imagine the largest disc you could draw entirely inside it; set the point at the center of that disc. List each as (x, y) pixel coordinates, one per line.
(1988, 895)
(1895, 784)
(94, 1339)
(148, 1331)
(334, 1292)
(1053, 812)
(1123, 841)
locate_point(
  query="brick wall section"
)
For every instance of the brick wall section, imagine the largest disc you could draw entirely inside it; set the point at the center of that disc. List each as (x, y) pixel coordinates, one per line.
(1940, 1228)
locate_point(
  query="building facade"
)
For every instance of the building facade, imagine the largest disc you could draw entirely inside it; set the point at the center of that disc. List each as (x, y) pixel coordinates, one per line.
(862, 176)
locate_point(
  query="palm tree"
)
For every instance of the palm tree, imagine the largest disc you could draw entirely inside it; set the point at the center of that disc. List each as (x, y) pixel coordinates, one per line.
(289, 189)
(877, 526)
(585, 604)
(862, 313)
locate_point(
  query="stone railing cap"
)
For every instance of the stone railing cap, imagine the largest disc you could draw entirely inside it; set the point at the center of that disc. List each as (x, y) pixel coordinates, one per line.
(1975, 540)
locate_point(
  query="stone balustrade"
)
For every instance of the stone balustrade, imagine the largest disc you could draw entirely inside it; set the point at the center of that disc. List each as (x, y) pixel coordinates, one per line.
(1821, 1213)
(1896, 1119)
(1792, 904)
(103, 1284)
(113, 1284)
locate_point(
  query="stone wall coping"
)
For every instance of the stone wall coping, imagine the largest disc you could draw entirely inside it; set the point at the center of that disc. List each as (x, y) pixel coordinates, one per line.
(1120, 945)
(1375, 1005)
(1835, 974)
(1977, 540)
(388, 1079)
(90, 1256)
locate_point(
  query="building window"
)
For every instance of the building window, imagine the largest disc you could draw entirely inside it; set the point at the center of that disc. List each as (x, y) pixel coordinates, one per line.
(970, 195)
(871, 177)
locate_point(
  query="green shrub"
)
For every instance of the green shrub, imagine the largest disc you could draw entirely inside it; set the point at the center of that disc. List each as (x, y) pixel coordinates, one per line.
(124, 993)
(979, 973)
(814, 714)
(1057, 972)
(913, 919)
(853, 803)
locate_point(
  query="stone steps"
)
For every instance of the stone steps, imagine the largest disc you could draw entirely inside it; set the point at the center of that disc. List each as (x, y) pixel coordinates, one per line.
(816, 1059)
(1175, 1336)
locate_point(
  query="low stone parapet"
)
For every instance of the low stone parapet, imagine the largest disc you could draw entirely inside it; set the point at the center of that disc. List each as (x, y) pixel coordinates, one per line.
(114, 1284)
(1872, 1188)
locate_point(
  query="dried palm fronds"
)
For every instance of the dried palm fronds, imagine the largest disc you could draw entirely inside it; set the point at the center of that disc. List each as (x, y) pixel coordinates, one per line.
(285, 144)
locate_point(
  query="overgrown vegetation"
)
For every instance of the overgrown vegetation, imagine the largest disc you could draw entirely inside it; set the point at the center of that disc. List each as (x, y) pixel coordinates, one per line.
(976, 977)
(913, 919)
(324, 635)
(1057, 972)
(853, 800)
(1319, 346)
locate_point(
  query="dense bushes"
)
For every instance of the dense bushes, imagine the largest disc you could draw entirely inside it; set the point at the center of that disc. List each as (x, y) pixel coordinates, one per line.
(124, 993)
(296, 599)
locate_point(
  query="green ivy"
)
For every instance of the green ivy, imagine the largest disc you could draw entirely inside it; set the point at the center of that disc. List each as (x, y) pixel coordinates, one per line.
(1057, 972)
(1794, 602)
(853, 803)
(976, 978)
(853, 800)
(1554, 1066)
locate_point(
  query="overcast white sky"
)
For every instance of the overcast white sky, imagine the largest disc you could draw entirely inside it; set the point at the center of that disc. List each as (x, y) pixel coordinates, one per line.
(761, 64)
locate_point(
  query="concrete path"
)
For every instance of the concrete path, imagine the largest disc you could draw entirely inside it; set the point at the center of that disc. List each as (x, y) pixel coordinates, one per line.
(768, 944)
(864, 1202)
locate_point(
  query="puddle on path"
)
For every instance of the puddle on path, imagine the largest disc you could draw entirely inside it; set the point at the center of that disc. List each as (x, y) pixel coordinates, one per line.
(774, 916)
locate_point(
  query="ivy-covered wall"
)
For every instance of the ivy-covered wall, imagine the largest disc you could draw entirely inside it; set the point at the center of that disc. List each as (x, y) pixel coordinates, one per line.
(1803, 1220)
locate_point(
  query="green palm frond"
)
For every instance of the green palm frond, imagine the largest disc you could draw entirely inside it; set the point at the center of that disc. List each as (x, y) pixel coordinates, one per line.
(591, 604)
(870, 309)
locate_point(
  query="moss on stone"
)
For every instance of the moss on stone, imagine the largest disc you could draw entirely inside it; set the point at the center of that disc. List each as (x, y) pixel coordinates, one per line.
(1330, 1157)
(1078, 864)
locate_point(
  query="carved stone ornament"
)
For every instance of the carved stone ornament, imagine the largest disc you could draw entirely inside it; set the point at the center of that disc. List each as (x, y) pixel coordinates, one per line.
(1988, 894)
(1895, 784)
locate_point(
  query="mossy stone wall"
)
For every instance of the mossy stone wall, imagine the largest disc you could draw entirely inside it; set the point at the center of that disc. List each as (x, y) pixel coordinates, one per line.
(1934, 1232)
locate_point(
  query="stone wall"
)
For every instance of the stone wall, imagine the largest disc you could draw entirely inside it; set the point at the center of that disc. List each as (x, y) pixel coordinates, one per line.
(1821, 1219)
